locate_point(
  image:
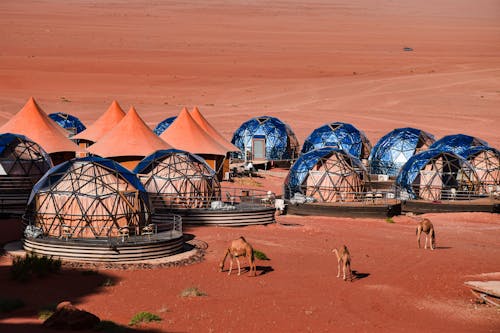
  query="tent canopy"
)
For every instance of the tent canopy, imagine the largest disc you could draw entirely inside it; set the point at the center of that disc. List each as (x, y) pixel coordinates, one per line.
(205, 125)
(34, 123)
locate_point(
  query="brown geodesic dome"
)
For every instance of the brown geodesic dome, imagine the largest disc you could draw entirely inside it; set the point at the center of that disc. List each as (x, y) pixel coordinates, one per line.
(486, 163)
(178, 179)
(438, 175)
(328, 175)
(88, 198)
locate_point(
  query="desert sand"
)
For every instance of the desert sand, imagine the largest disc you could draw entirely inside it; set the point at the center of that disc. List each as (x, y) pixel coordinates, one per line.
(308, 63)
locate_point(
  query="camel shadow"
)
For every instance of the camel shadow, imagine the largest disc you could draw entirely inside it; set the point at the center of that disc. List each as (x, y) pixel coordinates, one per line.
(264, 269)
(443, 247)
(358, 276)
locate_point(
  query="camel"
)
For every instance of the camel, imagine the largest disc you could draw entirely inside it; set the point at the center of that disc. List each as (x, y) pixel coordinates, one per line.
(426, 226)
(344, 257)
(239, 248)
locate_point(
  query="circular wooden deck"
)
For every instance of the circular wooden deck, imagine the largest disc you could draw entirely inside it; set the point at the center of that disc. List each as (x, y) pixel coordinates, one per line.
(133, 249)
(240, 216)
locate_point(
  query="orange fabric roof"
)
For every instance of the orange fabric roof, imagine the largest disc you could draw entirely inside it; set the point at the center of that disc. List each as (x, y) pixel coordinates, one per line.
(185, 133)
(32, 122)
(198, 117)
(131, 137)
(113, 115)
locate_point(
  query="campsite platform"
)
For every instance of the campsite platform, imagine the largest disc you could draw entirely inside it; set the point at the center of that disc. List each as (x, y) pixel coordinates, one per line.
(239, 215)
(488, 205)
(386, 209)
(487, 291)
(116, 250)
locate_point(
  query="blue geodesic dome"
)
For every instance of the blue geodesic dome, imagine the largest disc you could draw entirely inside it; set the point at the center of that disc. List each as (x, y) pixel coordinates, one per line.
(20, 156)
(280, 141)
(341, 135)
(163, 125)
(395, 148)
(457, 143)
(326, 174)
(486, 163)
(437, 175)
(68, 122)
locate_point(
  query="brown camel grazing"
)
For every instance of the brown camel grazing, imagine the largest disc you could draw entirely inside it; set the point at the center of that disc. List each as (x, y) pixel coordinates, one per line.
(344, 257)
(426, 226)
(239, 248)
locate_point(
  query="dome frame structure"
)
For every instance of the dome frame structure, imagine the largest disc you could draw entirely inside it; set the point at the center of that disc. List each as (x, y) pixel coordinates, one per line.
(458, 143)
(341, 135)
(88, 198)
(435, 175)
(176, 179)
(265, 138)
(328, 174)
(486, 163)
(69, 122)
(395, 148)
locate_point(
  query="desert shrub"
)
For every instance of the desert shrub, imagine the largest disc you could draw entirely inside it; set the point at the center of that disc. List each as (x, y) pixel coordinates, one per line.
(23, 268)
(143, 317)
(109, 282)
(389, 220)
(260, 255)
(192, 292)
(10, 304)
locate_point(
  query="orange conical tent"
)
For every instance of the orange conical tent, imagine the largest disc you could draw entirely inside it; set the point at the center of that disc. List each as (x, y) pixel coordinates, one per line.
(186, 134)
(205, 125)
(34, 123)
(131, 137)
(113, 115)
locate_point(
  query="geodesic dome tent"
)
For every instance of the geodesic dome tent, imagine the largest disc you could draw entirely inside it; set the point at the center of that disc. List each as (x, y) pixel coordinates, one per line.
(90, 197)
(457, 143)
(395, 148)
(486, 163)
(341, 135)
(70, 123)
(22, 163)
(438, 175)
(163, 125)
(266, 138)
(327, 174)
(178, 179)
(19, 156)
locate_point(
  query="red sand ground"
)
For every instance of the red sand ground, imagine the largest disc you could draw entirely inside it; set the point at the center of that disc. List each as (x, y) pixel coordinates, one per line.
(308, 64)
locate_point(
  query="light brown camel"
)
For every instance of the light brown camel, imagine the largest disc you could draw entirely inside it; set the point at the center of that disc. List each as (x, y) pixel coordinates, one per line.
(344, 257)
(426, 226)
(239, 248)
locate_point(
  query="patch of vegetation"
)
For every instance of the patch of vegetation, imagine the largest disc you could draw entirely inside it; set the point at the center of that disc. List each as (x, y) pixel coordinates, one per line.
(260, 255)
(64, 99)
(192, 292)
(23, 268)
(389, 220)
(10, 304)
(108, 326)
(109, 282)
(46, 311)
(144, 317)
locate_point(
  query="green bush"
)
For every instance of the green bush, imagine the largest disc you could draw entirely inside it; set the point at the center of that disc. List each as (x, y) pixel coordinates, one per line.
(10, 304)
(389, 220)
(260, 255)
(46, 311)
(23, 268)
(144, 317)
(192, 292)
